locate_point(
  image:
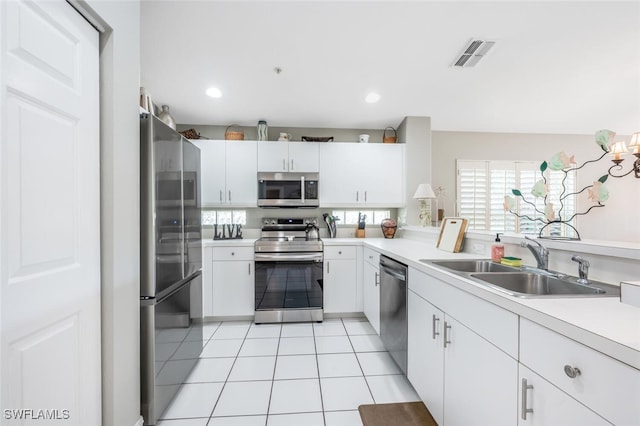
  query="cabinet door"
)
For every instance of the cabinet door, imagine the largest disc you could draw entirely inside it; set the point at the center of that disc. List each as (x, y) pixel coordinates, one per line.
(371, 295)
(207, 282)
(339, 169)
(550, 405)
(242, 183)
(425, 353)
(383, 174)
(273, 157)
(212, 166)
(233, 288)
(340, 291)
(304, 157)
(480, 379)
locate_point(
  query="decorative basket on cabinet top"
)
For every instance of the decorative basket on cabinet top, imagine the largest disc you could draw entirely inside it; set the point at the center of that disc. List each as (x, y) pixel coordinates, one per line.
(389, 139)
(236, 134)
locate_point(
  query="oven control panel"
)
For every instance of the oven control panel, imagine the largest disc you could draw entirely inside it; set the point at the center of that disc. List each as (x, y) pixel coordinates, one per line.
(289, 221)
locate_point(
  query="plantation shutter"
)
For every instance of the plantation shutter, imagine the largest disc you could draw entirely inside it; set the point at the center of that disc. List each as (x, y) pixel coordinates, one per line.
(482, 186)
(502, 181)
(473, 193)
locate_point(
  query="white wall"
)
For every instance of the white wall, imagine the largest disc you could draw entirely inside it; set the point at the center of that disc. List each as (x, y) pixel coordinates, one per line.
(415, 132)
(617, 221)
(120, 129)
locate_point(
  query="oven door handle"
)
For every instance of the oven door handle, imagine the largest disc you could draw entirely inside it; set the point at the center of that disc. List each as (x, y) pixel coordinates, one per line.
(289, 257)
(302, 186)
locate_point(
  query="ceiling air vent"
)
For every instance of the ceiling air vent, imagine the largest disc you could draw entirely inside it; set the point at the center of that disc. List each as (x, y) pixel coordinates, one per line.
(473, 52)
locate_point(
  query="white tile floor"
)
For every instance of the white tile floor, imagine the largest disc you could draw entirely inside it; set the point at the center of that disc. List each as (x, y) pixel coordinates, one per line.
(287, 375)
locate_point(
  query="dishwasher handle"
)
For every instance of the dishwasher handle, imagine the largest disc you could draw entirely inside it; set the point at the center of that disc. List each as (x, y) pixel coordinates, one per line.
(398, 275)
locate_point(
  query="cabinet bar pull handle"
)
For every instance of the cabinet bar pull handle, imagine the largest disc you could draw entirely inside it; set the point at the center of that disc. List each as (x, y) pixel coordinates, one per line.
(434, 328)
(357, 196)
(284, 164)
(292, 164)
(328, 267)
(572, 372)
(221, 195)
(524, 409)
(229, 195)
(377, 280)
(365, 196)
(249, 264)
(446, 335)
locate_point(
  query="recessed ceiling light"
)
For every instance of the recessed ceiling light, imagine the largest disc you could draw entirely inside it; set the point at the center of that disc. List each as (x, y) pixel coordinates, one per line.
(214, 92)
(372, 98)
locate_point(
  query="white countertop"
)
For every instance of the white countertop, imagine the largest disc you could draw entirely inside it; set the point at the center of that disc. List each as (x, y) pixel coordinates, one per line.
(602, 323)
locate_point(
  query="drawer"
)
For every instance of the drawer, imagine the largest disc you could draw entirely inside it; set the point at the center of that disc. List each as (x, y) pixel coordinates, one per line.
(371, 256)
(340, 252)
(232, 253)
(607, 386)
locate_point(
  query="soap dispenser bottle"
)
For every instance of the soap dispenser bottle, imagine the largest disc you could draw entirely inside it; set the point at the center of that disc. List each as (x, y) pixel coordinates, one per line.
(497, 250)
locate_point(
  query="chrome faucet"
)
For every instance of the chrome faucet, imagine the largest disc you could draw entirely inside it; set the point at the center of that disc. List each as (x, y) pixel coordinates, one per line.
(540, 252)
(583, 269)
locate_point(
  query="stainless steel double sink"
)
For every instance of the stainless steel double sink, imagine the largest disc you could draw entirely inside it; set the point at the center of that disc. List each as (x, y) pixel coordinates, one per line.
(525, 282)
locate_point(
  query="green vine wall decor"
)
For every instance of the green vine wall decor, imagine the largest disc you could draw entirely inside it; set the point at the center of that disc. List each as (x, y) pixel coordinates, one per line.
(597, 192)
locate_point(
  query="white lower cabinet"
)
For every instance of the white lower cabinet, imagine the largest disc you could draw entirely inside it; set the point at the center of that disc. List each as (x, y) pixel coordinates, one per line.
(462, 377)
(371, 287)
(606, 386)
(230, 282)
(479, 379)
(425, 367)
(340, 290)
(541, 404)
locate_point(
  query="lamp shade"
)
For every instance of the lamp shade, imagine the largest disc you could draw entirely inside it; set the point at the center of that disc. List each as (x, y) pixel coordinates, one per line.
(424, 191)
(634, 143)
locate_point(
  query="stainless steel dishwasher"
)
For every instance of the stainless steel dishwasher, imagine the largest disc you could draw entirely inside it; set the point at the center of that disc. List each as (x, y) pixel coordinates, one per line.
(393, 309)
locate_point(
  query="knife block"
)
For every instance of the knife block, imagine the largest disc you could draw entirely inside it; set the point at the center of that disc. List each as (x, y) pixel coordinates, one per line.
(360, 233)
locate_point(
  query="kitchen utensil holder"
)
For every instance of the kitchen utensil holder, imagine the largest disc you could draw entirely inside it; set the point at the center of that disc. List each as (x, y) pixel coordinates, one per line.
(360, 233)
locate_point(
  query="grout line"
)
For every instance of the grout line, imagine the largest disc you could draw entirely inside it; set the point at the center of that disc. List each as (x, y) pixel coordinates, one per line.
(313, 331)
(230, 370)
(361, 369)
(273, 377)
(277, 358)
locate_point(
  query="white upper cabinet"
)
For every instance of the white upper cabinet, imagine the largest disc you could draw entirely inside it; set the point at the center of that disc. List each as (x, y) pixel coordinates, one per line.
(355, 174)
(229, 173)
(300, 157)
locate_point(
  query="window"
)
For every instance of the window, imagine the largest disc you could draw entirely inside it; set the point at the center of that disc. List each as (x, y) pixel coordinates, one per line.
(220, 217)
(350, 217)
(482, 186)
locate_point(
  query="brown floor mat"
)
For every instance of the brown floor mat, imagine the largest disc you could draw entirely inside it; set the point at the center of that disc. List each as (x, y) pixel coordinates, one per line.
(400, 414)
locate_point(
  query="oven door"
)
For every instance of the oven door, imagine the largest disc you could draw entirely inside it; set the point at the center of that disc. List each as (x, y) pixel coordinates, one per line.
(288, 287)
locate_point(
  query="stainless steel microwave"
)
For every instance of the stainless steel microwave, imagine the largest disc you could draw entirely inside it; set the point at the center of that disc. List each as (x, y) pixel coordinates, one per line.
(288, 189)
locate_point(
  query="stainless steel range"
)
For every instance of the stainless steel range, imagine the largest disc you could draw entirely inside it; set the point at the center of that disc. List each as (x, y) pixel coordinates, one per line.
(288, 259)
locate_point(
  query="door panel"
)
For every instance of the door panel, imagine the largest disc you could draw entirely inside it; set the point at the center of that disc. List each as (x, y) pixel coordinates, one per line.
(49, 211)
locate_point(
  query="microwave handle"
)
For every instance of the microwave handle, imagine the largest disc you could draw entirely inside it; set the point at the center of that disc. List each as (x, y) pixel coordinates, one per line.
(302, 185)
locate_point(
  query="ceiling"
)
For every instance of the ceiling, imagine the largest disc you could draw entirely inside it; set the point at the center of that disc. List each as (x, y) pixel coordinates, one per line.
(556, 67)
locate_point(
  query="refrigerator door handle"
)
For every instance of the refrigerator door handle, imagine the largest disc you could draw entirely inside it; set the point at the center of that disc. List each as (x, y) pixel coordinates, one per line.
(167, 292)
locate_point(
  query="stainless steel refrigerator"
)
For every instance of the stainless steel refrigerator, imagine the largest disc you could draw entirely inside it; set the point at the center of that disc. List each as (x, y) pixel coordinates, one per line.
(170, 263)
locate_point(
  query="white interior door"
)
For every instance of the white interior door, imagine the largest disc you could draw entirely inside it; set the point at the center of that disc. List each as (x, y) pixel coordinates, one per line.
(49, 214)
